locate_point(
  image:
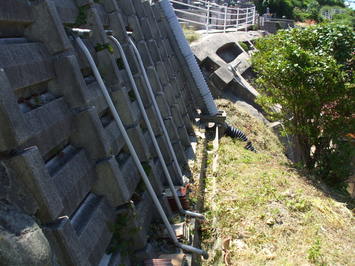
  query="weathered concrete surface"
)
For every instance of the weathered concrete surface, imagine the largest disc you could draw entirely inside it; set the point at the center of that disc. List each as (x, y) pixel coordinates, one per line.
(208, 45)
(223, 62)
(22, 241)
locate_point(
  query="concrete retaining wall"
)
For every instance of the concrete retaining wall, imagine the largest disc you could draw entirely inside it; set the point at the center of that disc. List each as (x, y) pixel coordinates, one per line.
(62, 158)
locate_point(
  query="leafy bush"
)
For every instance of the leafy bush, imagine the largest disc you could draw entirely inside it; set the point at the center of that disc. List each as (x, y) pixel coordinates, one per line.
(244, 46)
(307, 75)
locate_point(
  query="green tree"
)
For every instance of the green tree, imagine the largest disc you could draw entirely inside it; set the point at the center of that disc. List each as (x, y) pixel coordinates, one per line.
(306, 80)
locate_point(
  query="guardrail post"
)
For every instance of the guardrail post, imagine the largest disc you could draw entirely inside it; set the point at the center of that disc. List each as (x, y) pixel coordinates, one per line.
(246, 19)
(254, 15)
(208, 16)
(237, 23)
(225, 19)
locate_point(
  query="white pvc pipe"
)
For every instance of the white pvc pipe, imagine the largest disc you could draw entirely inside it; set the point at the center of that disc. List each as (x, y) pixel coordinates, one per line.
(150, 130)
(132, 150)
(189, 57)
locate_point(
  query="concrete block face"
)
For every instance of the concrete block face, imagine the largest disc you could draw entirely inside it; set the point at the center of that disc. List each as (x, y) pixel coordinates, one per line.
(110, 6)
(177, 180)
(93, 228)
(134, 25)
(95, 23)
(95, 96)
(137, 219)
(69, 81)
(138, 141)
(115, 139)
(83, 238)
(29, 169)
(155, 175)
(118, 26)
(128, 113)
(108, 67)
(164, 148)
(180, 154)
(168, 91)
(171, 128)
(175, 111)
(127, 7)
(15, 130)
(112, 183)
(154, 79)
(90, 134)
(143, 90)
(144, 52)
(129, 172)
(26, 64)
(51, 125)
(153, 118)
(163, 106)
(15, 11)
(162, 72)
(138, 7)
(73, 180)
(146, 28)
(67, 11)
(47, 27)
(65, 243)
(14, 191)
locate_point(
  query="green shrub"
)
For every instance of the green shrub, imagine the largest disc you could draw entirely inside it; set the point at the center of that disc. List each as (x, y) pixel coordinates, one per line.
(308, 73)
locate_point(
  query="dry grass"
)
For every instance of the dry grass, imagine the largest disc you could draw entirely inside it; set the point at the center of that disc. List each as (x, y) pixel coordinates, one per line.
(190, 34)
(261, 211)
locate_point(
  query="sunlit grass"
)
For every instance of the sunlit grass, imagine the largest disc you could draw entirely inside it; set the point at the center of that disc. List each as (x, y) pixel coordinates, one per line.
(262, 211)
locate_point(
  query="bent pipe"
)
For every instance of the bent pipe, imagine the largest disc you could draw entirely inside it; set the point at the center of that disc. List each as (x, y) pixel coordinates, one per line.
(238, 134)
(189, 57)
(134, 155)
(151, 132)
(161, 122)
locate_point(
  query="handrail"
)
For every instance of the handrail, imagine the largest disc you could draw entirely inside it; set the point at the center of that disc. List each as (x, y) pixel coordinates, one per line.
(209, 17)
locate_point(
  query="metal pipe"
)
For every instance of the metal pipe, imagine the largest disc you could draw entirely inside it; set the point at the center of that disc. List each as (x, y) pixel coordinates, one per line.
(165, 132)
(151, 132)
(131, 148)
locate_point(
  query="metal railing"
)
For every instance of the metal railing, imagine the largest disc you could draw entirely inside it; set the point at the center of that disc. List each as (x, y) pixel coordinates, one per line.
(210, 16)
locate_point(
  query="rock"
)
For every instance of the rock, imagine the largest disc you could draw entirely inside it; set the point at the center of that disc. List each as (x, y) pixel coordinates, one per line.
(22, 241)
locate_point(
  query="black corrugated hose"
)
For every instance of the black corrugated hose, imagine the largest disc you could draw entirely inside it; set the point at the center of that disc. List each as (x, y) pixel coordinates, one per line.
(238, 134)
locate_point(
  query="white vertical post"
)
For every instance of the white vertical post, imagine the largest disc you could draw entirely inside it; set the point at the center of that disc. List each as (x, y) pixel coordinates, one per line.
(254, 11)
(246, 19)
(208, 16)
(225, 19)
(237, 23)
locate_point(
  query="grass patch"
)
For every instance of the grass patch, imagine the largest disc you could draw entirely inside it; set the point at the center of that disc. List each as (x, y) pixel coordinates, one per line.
(262, 211)
(190, 34)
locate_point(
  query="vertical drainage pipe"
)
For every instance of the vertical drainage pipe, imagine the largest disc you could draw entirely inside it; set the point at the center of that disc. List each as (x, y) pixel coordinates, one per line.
(151, 132)
(189, 57)
(133, 152)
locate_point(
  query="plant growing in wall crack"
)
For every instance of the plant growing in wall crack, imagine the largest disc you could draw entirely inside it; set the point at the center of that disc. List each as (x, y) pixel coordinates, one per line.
(122, 231)
(100, 47)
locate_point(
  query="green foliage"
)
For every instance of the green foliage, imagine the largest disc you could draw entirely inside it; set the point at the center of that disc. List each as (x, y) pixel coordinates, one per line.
(296, 9)
(81, 19)
(344, 16)
(100, 47)
(244, 46)
(314, 253)
(305, 78)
